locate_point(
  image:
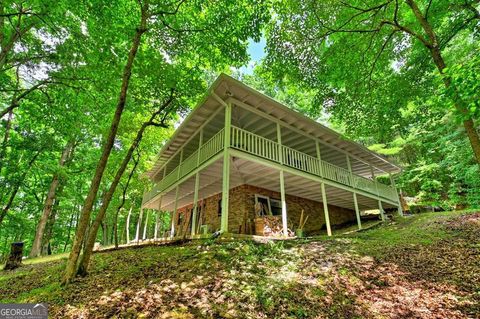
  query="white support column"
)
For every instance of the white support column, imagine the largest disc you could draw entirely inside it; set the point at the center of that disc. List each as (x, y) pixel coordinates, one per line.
(197, 186)
(139, 223)
(279, 141)
(157, 220)
(355, 200)
(282, 183)
(174, 215)
(157, 217)
(357, 211)
(319, 156)
(324, 194)
(284, 205)
(380, 207)
(392, 182)
(226, 169)
(325, 210)
(145, 227)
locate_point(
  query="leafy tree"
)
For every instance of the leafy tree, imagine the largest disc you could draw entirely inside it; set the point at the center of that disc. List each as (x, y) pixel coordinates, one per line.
(367, 59)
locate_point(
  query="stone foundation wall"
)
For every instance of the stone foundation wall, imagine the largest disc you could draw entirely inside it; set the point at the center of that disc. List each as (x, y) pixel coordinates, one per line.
(242, 208)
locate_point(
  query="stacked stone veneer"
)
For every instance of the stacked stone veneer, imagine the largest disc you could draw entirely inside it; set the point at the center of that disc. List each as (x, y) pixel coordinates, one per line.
(242, 207)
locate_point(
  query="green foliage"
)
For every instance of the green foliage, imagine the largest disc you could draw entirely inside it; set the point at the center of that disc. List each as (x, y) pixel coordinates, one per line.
(59, 82)
(465, 83)
(368, 67)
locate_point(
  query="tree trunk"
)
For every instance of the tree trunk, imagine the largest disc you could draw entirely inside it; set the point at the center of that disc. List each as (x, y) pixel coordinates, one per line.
(104, 233)
(73, 219)
(70, 269)
(107, 198)
(49, 202)
(15, 258)
(437, 57)
(46, 247)
(127, 228)
(115, 228)
(92, 234)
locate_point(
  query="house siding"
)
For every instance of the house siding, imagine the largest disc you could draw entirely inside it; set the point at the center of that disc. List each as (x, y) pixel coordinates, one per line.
(242, 207)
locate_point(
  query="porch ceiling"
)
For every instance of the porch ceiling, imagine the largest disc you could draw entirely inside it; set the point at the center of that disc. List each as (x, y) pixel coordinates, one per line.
(226, 87)
(246, 172)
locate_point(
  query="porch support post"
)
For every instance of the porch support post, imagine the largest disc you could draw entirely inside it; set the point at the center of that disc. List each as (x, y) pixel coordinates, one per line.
(284, 205)
(392, 182)
(282, 183)
(145, 228)
(195, 204)
(380, 207)
(325, 209)
(319, 156)
(355, 201)
(174, 216)
(157, 220)
(357, 210)
(174, 213)
(226, 168)
(197, 185)
(139, 223)
(157, 217)
(279, 141)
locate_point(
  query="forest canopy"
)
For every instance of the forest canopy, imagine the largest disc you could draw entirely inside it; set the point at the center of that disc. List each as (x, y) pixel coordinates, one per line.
(91, 90)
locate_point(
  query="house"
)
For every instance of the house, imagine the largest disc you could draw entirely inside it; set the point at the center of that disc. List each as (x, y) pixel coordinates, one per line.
(243, 163)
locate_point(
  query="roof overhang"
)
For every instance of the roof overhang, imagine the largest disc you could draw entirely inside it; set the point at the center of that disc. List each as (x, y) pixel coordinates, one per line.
(226, 87)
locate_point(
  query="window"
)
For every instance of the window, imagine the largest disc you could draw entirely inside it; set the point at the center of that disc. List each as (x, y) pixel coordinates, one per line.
(262, 205)
(265, 205)
(276, 207)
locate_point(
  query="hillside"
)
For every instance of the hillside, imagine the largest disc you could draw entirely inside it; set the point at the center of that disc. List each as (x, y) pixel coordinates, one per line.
(425, 266)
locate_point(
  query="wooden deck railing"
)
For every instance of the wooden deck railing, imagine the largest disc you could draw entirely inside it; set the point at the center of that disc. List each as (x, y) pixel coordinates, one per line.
(262, 147)
(209, 149)
(259, 146)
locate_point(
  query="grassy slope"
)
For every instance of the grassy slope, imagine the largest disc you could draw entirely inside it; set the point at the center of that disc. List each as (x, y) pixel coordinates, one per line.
(423, 266)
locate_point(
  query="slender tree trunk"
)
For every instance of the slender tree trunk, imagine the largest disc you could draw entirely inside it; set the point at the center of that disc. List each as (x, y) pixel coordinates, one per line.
(127, 227)
(70, 269)
(107, 198)
(115, 228)
(46, 247)
(104, 234)
(73, 219)
(112, 231)
(49, 202)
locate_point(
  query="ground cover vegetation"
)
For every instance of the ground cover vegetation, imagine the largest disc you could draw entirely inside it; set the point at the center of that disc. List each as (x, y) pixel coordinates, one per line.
(91, 90)
(426, 266)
